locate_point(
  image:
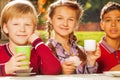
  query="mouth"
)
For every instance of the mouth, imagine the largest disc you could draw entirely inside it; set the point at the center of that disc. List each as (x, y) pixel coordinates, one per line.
(113, 31)
(21, 35)
(65, 29)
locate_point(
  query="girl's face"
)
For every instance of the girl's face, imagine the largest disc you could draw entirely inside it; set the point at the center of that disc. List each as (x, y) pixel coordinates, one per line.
(111, 24)
(19, 30)
(64, 21)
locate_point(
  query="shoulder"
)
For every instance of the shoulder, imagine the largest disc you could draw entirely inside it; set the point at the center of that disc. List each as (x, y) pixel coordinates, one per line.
(1, 46)
(2, 49)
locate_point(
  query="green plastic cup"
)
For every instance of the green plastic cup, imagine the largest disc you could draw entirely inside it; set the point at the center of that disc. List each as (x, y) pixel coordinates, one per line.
(27, 51)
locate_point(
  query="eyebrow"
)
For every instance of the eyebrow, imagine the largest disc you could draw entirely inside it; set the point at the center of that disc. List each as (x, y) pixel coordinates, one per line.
(69, 17)
(110, 17)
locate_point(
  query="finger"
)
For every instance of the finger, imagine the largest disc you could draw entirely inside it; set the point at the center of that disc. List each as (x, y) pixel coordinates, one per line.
(69, 71)
(19, 54)
(98, 51)
(21, 69)
(71, 67)
(21, 58)
(69, 63)
(37, 33)
(22, 63)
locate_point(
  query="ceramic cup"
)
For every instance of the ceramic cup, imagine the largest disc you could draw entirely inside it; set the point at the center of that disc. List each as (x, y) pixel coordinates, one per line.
(90, 45)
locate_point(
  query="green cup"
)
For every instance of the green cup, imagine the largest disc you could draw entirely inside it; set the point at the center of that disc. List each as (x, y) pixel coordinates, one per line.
(27, 51)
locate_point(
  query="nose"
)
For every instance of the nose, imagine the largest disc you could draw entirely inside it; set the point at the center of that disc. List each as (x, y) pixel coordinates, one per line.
(65, 22)
(22, 28)
(113, 24)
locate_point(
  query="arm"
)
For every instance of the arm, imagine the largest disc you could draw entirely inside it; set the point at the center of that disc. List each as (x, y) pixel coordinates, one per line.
(68, 67)
(86, 69)
(90, 65)
(115, 68)
(49, 63)
(12, 65)
(2, 70)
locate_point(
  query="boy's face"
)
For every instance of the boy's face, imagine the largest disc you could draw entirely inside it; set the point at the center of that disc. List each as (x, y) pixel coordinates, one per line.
(111, 24)
(19, 29)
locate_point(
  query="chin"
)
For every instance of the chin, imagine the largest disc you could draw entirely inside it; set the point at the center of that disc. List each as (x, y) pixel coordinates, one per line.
(22, 43)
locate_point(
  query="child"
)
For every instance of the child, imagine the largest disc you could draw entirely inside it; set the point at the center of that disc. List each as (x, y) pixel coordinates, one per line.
(110, 44)
(19, 21)
(63, 19)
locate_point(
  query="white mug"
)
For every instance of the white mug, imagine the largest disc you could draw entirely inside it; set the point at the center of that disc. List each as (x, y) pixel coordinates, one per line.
(90, 45)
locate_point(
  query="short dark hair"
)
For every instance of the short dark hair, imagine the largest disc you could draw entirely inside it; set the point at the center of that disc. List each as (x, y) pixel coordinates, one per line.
(109, 7)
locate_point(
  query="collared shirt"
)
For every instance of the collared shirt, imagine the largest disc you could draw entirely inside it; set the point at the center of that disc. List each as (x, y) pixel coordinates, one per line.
(107, 46)
(63, 55)
(109, 56)
(38, 61)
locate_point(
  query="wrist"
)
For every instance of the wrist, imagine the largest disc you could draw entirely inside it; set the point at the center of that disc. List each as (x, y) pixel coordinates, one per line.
(33, 38)
(7, 68)
(91, 63)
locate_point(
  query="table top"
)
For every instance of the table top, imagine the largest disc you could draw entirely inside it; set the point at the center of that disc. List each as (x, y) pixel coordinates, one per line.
(62, 77)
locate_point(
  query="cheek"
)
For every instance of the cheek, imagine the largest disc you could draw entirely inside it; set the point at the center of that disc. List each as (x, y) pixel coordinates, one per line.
(30, 32)
(30, 29)
(12, 30)
(73, 26)
(73, 29)
(56, 23)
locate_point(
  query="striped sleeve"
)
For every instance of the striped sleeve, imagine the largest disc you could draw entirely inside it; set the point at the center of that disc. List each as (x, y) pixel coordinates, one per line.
(2, 70)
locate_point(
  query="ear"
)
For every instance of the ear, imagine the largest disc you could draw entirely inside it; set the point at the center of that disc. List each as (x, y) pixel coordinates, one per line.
(50, 20)
(5, 29)
(102, 25)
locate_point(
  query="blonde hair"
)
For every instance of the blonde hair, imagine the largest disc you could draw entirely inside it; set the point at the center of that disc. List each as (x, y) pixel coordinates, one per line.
(18, 8)
(68, 3)
(79, 11)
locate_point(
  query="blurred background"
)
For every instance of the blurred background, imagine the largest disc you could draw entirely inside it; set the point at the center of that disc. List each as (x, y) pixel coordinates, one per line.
(89, 27)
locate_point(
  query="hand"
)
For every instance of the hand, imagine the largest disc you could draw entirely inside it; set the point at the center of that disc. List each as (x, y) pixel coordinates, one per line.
(34, 36)
(115, 68)
(93, 56)
(15, 63)
(68, 67)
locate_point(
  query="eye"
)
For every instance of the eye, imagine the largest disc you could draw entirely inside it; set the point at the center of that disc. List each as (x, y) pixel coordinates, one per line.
(107, 20)
(15, 24)
(28, 24)
(59, 18)
(71, 19)
(118, 20)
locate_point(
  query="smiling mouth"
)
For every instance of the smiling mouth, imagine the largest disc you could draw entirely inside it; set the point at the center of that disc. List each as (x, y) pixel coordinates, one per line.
(21, 35)
(113, 31)
(64, 28)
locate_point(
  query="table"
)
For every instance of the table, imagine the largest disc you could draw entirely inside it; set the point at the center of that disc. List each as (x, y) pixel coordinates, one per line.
(63, 77)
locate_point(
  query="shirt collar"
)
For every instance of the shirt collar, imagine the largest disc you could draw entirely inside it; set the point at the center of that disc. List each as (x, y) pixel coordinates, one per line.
(55, 43)
(59, 47)
(107, 46)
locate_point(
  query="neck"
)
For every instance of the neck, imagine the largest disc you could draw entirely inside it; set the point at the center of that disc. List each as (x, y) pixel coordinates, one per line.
(12, 46)
(115, 43)
(64, 41)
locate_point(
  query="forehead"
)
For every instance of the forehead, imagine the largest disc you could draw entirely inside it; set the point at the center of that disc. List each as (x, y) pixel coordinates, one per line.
(21, 17)
(64, 10)
(112, 13)
(16, 16)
